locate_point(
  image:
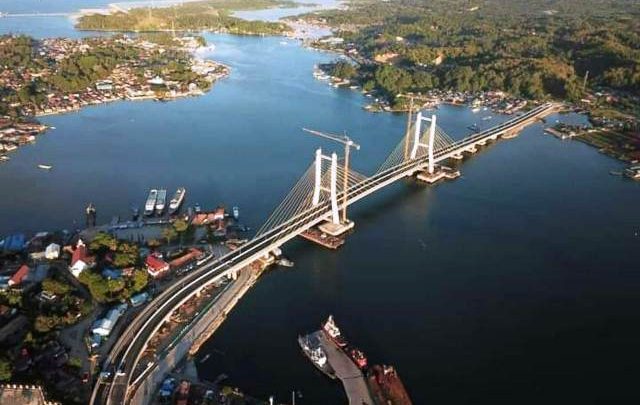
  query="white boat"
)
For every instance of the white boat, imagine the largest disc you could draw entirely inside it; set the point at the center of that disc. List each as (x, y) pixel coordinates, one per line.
(45, 167)
(177, 199)
(236, 212)
(475, 110)
(161, 201)
(150, 205)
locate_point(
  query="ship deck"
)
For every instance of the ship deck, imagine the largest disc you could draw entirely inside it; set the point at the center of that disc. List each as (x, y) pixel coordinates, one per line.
(352, 379)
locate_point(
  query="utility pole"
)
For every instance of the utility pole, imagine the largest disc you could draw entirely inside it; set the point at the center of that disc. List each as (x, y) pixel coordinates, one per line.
(348, 144)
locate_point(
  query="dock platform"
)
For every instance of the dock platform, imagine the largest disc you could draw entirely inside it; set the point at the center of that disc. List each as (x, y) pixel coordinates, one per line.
(322, 238)
(352, 378)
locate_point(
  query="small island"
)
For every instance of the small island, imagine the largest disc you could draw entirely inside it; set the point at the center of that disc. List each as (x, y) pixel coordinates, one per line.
(52, 76)
(206, 15)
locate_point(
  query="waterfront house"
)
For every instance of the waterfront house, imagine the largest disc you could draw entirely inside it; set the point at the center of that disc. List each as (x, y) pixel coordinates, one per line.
(156, 267)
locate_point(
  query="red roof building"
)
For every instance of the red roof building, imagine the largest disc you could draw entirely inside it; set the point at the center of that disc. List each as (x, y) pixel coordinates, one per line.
(80, 253)
(156, 267)
(19, 275)
(192, 255)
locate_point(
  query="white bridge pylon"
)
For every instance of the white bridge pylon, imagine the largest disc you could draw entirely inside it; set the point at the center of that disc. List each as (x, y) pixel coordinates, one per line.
(332, 189)
(430, 139)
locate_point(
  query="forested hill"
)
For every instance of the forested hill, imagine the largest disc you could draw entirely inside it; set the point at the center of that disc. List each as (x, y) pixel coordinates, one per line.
(533, 48)
(206, 15)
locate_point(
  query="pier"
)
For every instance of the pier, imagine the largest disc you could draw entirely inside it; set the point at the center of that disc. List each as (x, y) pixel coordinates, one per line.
(352, 378)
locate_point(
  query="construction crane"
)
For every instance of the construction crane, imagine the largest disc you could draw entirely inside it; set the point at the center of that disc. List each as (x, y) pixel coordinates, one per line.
(411, 98)
(348, 144)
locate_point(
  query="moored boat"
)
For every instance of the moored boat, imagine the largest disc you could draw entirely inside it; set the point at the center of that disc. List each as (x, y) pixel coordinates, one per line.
(333, 332)
(177, 199)
(311, 348)
(150, 204)
(386, 387)
(161, 201)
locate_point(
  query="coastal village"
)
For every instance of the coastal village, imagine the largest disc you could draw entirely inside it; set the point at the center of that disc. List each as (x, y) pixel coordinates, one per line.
(65, 297)
(615, 134)
(148, 71)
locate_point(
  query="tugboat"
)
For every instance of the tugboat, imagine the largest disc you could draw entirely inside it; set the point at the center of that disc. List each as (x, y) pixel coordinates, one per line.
(311, 348)
(177, 199)
(333, 332)
(358, 357)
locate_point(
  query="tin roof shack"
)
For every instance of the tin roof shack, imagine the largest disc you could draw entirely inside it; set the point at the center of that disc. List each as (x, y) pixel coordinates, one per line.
(19, 276)
(13, 243)
(139, 299)
(103, 327)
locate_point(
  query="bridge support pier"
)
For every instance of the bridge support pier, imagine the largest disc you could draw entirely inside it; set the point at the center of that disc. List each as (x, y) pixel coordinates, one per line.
(440, 173)
(338, 229)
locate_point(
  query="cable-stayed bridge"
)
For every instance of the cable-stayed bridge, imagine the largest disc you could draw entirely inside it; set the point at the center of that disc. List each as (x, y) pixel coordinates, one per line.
(325, 187)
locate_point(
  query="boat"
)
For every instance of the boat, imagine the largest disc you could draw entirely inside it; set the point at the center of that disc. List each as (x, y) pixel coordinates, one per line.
(45, 167)
(284, 262)
(205, 358)
(358, 357)
(487, 118)
(311, 348)
(236, 212)
(4, 158)
(161, 201)
(333, 332)
(386, 387)
(475, 109)
(150, 205)
(177, 199)
(197, 208)
(474, 127)
(632, 172)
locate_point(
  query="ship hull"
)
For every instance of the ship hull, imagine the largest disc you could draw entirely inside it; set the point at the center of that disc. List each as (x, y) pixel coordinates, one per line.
(326, 368)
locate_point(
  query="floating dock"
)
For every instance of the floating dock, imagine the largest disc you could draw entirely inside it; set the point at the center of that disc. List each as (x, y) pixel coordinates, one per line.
(352, 378)
(322, 238)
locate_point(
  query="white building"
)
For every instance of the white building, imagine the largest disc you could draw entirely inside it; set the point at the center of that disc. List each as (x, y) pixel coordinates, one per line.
(52, 251)
(104, 326)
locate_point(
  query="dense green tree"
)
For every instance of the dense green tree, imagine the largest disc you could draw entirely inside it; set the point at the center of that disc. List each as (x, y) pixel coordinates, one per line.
(5, 370)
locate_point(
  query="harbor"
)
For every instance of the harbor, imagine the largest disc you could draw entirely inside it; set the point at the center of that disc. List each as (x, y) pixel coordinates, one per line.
(330, 352)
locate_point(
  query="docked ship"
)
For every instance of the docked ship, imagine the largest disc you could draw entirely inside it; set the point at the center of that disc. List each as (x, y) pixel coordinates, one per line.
(386, 387)
(161, 201)
(330, 329)
(357, 356)
(177, 199)
(311, 348)
(150, 205)
(333, 332)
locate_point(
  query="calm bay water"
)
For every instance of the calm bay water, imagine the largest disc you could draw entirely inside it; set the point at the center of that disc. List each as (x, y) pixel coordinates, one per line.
(517, 283)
